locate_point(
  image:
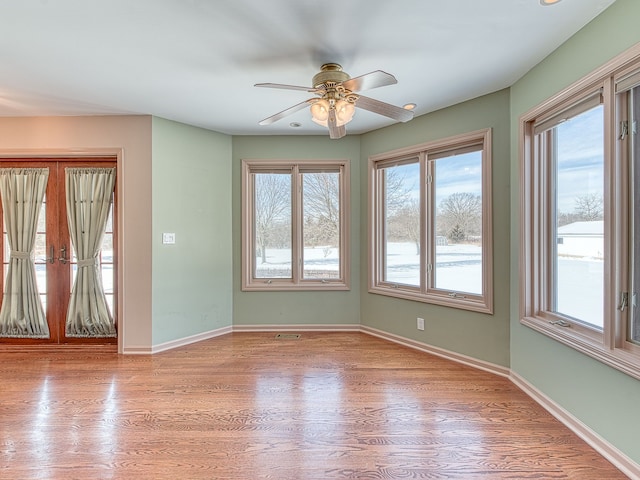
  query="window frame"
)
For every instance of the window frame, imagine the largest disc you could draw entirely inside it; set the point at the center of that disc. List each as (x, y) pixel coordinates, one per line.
(297, 282)
(611, 345)
(427, 292)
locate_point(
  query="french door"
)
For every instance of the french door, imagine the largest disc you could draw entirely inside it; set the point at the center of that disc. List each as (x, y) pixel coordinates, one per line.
(57, 264)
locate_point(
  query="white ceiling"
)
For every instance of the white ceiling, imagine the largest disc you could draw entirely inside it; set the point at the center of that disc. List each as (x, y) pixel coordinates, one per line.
(196, 61)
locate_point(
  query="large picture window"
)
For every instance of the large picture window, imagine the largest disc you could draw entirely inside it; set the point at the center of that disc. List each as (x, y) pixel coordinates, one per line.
(580, 266)
(295, 225)
(430, 222)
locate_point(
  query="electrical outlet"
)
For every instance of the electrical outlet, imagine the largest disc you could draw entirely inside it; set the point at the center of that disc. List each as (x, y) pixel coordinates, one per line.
(420, 322)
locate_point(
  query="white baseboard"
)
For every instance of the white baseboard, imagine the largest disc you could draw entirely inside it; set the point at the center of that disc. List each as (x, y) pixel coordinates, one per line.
(604, 448)
(440, 352)
(181, 342)
(137, 350)
(298, 328)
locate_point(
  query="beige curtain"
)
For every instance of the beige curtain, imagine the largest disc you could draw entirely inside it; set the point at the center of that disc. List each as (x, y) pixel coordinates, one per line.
(22, 191)
(89, 196)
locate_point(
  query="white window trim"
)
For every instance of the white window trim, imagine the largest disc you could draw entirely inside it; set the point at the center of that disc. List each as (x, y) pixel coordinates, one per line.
(426, 293)
(249, 282)
(610, 346)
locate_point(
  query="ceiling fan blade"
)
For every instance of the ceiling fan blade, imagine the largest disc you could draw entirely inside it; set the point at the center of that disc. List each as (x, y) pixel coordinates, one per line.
(335, 131)
(376, 106)
(370, 80)
(284, 113)
(286, 87)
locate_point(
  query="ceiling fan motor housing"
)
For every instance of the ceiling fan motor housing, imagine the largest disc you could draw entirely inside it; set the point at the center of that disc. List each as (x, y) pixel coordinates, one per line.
(330, 73)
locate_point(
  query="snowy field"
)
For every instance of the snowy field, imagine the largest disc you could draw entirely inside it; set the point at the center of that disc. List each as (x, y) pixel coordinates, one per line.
(458, 268)
(319, 262)
(581, 289)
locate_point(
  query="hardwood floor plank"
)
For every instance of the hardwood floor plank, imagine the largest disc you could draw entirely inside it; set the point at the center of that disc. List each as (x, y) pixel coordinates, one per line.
(248, 406)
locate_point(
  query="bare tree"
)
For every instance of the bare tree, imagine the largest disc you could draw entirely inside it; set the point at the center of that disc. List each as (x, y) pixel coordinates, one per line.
(272, 208)
(589, 207)
(321, 203)
(397, 191)
(402, 209)
(404, 225)
(460, 215)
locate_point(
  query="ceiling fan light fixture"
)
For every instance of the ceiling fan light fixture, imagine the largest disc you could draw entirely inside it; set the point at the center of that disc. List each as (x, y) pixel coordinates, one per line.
(549, 2)
(344, 112)
(320, 112)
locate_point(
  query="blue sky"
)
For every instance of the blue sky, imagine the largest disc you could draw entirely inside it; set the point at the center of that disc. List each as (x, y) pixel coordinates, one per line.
(455, 174)
(580, 164)
(458, 174)
(580, 157)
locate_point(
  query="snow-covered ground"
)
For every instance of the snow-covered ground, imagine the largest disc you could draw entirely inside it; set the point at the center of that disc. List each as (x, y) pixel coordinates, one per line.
(322, 262)
(458, 268)
(581, 288)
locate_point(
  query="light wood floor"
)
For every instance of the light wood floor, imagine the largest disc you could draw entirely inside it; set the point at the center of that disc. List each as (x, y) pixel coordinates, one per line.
(247, 406)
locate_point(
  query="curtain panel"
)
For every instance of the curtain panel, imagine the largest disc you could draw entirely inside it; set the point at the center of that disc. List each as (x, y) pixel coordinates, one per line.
(89, 198)
(22, 191)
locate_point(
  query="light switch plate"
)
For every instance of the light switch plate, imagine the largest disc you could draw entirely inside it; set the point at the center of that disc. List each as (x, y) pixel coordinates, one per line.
(168, 238)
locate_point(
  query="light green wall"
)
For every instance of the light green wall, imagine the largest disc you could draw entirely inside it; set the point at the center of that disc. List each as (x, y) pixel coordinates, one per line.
(482, 336)
(297, 308)
(601, 397)
(196, 283)
(191, 280)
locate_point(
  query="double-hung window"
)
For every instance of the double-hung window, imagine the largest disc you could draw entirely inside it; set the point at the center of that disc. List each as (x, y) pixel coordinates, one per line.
(580, 204)
(430, 222)
(295, 227)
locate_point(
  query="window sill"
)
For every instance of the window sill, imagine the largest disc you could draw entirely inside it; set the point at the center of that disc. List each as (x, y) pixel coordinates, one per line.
(275, 286)
(617, 358)
(472, 303)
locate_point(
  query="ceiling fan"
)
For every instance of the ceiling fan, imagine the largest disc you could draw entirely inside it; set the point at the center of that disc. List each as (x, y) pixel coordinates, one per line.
(337, 98)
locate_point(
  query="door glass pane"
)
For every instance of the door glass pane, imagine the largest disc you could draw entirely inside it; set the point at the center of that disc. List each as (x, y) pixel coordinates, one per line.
(106, 263)
(41, 253)
(5, 255)
(272, 225)
(321, 225)
(577, 253)
(458, 222)
(401, 212)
